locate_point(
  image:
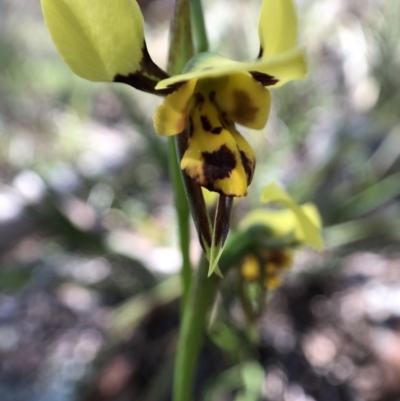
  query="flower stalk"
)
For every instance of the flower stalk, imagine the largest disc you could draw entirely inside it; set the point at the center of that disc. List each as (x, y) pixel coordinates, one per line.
(192, 330)
(182, 212)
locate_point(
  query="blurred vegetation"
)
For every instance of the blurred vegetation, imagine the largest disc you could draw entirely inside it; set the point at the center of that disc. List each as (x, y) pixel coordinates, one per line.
(88, 250)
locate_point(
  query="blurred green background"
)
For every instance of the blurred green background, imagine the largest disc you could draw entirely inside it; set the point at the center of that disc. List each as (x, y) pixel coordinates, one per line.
(88, 242)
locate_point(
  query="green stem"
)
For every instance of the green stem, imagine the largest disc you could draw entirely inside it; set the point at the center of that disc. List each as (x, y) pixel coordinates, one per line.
(182, 209)
(192, 330)
(180, 52)
(199, 27)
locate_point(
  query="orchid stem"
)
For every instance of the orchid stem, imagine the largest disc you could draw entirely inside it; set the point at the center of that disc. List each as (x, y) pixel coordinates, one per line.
(192, 330)
(180, 52)
(182, 209)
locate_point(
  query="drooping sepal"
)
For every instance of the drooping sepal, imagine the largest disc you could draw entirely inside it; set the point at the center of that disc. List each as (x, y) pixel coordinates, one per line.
(196, 201)
(220, 233)
(103, 41)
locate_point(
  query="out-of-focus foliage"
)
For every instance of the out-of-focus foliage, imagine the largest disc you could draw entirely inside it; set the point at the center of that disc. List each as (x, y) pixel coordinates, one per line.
(87, 226)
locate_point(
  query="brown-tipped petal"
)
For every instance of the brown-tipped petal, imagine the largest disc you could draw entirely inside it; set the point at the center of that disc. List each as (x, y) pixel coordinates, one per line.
(213, 158)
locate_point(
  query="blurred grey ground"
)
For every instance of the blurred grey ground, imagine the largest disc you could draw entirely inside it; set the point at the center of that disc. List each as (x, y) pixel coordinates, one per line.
(87, 222)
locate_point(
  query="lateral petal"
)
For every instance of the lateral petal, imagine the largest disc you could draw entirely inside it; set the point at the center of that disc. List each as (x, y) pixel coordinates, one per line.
(170, 117)
(245, 100)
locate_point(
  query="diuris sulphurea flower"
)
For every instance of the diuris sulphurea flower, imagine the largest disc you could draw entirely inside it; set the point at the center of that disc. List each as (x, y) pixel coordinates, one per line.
(103, 40)
(294, 226)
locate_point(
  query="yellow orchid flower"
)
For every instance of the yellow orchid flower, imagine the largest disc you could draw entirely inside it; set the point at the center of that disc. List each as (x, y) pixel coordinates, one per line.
(102, 40)
(301, 224)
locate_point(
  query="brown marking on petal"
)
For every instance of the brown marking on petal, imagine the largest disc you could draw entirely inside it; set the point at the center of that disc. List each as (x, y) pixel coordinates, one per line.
(199, 99)
(146, 77)
(205, 122)
(218, 164)
(260, 53)
(217, 130)
(264, 79)
(280, 259)
(226, 122)
(244, 111)
(248, 166)
(211, 96)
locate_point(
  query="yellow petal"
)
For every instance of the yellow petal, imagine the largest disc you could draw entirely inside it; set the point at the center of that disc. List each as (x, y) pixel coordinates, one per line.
(277, 69)
(245, 100)
(247, 156)
(213, 158)
(277, 27)
(102, 40)
(282, 222)
(307, 222)
(170, 117)
(209, 197)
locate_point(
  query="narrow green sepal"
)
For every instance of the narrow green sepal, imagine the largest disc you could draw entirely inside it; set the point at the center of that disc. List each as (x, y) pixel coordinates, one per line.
(195, 199)
(213, 257)
(220, 233)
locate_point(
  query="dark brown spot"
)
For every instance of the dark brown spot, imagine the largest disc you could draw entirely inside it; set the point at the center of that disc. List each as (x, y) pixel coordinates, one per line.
(245, 111)
(217, 130)
(211, 96)
(205, 122)
(278, 258)
(260, 53)
(264, 79)
(248, 166)
(226, 122)
(199, 99)
(146, 77)
(218, 164)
